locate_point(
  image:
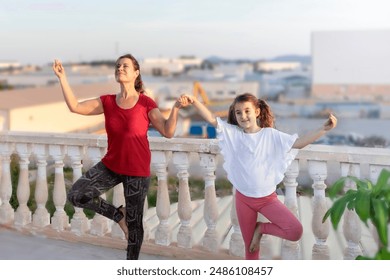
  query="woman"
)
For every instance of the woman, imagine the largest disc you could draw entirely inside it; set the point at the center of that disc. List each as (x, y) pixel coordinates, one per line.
(128, 114)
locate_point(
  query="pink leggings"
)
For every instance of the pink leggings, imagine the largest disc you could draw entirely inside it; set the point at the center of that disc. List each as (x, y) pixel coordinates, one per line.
(282, 222)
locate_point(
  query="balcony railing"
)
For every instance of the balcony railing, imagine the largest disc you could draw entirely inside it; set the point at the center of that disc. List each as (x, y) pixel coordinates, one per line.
(41, 154)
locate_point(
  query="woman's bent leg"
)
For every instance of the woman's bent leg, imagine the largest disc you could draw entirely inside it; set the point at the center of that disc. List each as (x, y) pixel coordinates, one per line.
(86, 191)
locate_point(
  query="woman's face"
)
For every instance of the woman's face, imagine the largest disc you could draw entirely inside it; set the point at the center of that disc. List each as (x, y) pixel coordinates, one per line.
(246, 115)
(124, 71)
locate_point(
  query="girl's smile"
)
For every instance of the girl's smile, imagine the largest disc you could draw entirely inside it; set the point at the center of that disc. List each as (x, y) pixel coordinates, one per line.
(246, 116)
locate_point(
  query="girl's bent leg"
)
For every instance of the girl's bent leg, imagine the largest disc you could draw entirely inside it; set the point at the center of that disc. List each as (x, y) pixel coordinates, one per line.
(283, 223)
(135, 190)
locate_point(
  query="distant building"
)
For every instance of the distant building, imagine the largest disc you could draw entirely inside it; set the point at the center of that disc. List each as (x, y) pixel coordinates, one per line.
(30, 76)
(5, 65)
(168, 66)
(351, 65)
(216, 91)
(286, 84)
(222, 71)
(273, 66)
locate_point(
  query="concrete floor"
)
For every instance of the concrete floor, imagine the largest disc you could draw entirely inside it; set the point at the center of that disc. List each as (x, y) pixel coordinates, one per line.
(18, 246)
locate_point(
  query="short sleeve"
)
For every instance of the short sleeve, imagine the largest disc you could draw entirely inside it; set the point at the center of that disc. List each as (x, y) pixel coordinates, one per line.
(226, 135)
(150, 103)
(283, 156)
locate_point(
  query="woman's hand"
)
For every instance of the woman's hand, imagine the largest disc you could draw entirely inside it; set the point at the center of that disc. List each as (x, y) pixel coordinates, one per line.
(58, 69)
(330, 123)
(185, 100)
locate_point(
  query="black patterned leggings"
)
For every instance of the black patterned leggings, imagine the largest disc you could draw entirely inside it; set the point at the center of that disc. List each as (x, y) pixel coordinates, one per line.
(86, 191)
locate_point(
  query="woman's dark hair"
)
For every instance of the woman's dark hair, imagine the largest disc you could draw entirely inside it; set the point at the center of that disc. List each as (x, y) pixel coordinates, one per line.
(266, 117)
(138, 84)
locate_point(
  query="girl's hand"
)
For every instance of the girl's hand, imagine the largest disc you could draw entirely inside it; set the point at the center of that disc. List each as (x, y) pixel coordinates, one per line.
(330, 123)
(185, 100)
(58, 68)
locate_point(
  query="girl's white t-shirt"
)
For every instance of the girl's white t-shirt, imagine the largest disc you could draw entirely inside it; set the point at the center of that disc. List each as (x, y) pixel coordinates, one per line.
(255, 162)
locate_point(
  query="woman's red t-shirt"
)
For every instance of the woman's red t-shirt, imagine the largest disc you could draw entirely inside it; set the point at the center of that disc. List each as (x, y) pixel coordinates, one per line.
(128, 150)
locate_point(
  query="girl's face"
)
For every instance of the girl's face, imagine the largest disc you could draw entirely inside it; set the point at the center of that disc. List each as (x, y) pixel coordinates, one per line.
(246, 115)
(124, 71)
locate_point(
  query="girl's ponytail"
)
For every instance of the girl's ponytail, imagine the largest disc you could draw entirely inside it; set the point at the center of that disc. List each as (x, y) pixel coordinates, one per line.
(266, 117)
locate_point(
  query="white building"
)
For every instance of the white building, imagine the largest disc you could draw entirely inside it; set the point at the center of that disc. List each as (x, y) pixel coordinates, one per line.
(216, 91)
(222, 71)
(168, 66)
(272, 66)
(9, 64)
(351, 65)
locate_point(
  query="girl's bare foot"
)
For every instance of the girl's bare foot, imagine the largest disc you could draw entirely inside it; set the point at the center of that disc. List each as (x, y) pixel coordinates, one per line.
(122, 223)
(255, 243)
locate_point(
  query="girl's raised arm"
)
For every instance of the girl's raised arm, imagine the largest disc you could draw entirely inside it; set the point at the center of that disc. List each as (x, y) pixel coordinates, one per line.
(205, 113)
(311, 137)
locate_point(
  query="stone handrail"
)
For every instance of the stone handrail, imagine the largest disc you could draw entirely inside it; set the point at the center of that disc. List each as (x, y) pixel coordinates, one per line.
(323, 164)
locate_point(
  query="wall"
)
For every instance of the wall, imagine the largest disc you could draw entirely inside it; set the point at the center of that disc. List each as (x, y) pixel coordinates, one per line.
(351, 64)
(54, 117)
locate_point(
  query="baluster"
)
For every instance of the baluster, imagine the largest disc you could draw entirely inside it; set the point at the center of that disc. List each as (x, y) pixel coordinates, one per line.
(7, 213)
(210, 239)
(145, 225)
(351, 224)
(318, 172)
(41, 216)
(99, 224)
(60, 220)
(184, 236)
(118, 200)
(291, 249)
(23, 214)
(79, 223)
(236, 244)
(375, 170)
(163, 233)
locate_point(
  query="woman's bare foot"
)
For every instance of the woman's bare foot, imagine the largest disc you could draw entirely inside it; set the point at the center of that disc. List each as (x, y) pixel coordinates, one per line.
(255, 243)
(122, 223)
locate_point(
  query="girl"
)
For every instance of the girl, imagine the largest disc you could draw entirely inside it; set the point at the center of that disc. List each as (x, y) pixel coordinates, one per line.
(255, 160)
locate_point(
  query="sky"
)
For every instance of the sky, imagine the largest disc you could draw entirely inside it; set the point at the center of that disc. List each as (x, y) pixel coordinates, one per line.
(36, 32)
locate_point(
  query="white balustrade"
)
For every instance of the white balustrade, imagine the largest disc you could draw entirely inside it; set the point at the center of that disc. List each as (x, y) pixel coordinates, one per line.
(42, 151)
